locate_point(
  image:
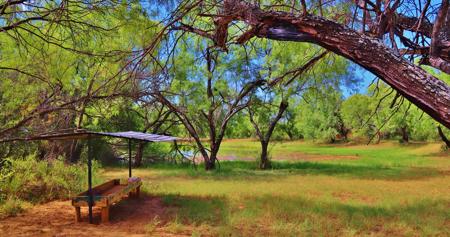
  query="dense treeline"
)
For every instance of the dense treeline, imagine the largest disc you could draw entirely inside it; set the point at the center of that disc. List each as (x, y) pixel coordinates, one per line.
(328, 117)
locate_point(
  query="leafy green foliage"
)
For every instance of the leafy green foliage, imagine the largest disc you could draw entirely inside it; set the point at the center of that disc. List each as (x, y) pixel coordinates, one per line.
(35, 181)
(57, 76)
(355, 114)
(318, 118)
(383, 113)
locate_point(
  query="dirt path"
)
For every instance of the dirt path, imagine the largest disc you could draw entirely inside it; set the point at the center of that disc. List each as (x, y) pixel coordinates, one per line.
(57, 218)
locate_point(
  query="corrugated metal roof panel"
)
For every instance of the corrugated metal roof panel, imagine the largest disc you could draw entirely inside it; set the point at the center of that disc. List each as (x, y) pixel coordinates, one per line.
(84, 134)
(139, 136)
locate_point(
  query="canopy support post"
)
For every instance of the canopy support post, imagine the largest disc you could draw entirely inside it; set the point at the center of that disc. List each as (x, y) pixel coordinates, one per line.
(129, 158)
(90, 193)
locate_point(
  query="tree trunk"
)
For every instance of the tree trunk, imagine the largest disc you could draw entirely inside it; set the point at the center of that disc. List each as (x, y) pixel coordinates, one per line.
(345, 132)
(290, 135)
(379, 137)
(210, 163)
(264, 161)
(41, 152)
(289, 132)
(139, 154)
(264, 139)
(405, 136)
(421, 88)
(75, 151)
(56, 149)
(443, 137)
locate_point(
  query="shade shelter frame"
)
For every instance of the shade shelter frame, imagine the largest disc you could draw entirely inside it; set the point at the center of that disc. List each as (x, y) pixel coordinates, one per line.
(80, 134)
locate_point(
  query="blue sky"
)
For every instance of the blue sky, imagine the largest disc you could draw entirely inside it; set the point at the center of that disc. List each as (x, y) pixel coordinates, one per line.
(365, 78)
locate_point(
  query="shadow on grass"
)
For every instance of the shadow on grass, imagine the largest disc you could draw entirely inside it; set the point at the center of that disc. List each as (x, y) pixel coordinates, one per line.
(248, 170)
(291, 206)
(298, 216)
(418, 217)
(197, 210)
(357, 171)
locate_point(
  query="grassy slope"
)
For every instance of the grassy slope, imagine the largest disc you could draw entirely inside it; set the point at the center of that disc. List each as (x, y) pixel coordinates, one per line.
(389, 190)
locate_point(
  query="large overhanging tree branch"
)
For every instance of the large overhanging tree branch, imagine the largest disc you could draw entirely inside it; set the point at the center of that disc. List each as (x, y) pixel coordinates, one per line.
(421, 88)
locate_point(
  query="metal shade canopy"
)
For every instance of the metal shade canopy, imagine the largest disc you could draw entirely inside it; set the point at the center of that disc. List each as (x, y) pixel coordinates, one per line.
(139, 136)
(74, 134)
(85, 134)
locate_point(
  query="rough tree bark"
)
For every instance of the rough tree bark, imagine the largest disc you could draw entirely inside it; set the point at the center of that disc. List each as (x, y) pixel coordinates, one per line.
(421, 88)
(264, 159)
(405, 136)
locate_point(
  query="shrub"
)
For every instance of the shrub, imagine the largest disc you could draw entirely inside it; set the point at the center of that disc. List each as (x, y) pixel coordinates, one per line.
(37, 181)
(12, 207)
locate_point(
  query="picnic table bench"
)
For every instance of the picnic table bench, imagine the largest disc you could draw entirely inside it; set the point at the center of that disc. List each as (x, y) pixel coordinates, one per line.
(107, 194)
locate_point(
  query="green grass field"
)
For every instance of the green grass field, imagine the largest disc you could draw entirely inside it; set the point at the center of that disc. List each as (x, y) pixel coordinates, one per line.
(312, 190)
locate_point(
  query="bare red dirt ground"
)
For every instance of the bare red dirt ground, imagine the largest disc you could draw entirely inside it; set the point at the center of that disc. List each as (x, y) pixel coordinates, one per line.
(57, 218)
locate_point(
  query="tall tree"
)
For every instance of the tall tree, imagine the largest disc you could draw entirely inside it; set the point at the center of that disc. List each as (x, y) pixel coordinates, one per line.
(287, 80)
(354, 32)
(205, 98)
(58, 82)
(260, 114)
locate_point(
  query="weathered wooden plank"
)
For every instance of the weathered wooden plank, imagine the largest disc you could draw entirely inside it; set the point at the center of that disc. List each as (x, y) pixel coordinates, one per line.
(105, 195)
(105, 214)
(78, 214)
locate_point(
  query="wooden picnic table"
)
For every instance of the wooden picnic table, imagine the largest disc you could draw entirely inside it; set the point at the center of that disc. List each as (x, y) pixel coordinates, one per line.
(107, 194)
